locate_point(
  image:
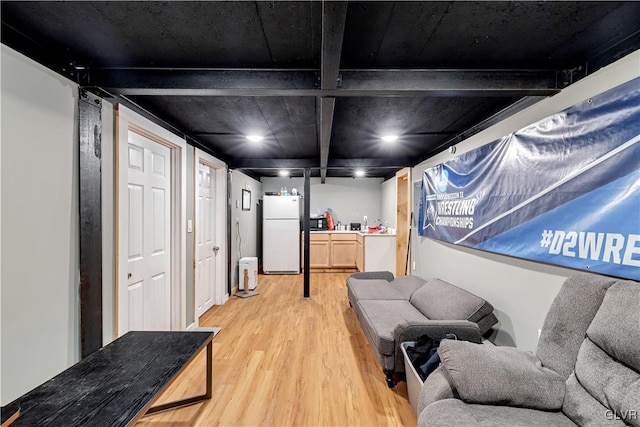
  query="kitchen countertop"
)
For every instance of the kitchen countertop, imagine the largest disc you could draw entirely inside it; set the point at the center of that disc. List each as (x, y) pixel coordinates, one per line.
(362, 233)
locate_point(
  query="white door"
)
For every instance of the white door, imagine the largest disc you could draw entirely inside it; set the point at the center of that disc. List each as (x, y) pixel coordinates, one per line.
(148, 285)
(206, 249)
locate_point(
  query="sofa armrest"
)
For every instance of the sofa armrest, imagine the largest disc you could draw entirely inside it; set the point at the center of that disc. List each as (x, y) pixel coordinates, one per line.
(384, 275)
(434, 329)
(500, 375)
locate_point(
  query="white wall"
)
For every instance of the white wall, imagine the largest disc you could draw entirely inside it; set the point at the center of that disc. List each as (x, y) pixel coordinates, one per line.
(244, 232)
(349, 198)
(521, 291)
(388, 193)
(39, 268)
(40, 278)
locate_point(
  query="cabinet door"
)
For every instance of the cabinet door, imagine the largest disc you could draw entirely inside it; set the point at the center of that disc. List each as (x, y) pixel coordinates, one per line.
(359, 256)
(343, 253)
(319, 254)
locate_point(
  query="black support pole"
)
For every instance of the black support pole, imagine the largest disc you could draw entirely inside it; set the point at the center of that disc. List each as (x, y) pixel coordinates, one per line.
(90, 203)
(305, 227)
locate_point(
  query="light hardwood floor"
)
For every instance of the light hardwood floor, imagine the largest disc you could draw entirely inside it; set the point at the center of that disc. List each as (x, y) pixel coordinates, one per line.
(282, 360)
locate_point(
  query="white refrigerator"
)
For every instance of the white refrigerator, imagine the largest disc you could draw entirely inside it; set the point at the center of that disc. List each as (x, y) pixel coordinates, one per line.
(281, 234)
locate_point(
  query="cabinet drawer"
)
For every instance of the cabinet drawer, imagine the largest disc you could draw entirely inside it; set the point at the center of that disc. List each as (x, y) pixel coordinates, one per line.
(318, 237)
(343, 236)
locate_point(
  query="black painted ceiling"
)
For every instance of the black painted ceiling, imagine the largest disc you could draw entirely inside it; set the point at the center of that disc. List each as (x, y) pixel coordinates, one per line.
(323, 81)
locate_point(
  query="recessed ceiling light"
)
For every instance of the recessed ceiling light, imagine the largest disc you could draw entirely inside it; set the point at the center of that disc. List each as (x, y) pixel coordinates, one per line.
(389, 138)
(359, 172)
(255, 138)
(284, 173)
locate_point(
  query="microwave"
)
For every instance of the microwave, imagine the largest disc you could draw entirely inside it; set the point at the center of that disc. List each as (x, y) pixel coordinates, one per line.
(319, 223)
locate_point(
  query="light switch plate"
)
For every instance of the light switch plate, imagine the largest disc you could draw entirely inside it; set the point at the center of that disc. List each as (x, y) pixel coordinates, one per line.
(189, 226)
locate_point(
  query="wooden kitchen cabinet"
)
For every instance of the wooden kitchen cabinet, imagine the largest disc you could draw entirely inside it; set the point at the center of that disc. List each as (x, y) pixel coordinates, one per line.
(343, 250)
(352, 252)
(319, 251)
(332, 251)
(360, 252)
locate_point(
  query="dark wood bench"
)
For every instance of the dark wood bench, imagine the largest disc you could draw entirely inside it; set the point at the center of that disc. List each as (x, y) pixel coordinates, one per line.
(117, 384)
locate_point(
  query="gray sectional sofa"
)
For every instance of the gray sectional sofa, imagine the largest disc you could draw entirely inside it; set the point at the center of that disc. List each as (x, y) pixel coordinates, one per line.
(586, 370)
(393, 310)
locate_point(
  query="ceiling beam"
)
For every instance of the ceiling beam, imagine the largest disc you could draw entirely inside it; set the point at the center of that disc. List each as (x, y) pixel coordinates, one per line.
(363, 83)
(334, 16)
(448, 80)
(223, 80)
(327, 107)
(375, 162)
(243, 163)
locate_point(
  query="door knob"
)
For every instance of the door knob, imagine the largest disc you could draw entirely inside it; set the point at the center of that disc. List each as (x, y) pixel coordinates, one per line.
(216, 249)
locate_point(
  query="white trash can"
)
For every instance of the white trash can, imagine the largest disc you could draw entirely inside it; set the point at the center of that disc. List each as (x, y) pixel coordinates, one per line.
(414, 382)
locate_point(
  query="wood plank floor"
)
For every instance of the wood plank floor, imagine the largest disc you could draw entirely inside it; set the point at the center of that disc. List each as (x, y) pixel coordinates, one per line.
(282, 360)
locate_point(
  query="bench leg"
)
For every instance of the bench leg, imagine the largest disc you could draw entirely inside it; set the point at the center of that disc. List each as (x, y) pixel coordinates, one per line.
(191, 400)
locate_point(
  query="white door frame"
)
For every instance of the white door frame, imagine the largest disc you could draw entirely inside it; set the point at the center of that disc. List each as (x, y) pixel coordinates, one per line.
(221, 294)
(127, 120)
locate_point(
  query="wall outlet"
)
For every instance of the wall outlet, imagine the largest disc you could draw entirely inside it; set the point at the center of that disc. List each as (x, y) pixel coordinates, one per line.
(237, 220)
(237, 204)
(365, 218)
(413, 266)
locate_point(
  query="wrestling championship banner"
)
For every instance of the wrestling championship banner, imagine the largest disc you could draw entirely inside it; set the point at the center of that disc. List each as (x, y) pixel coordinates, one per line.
(563, 191)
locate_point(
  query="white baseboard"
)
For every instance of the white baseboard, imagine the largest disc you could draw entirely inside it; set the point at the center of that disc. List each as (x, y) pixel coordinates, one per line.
(192, 326)
(225, 298)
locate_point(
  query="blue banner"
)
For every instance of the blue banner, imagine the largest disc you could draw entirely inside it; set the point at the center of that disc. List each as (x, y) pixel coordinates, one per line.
(564, 190)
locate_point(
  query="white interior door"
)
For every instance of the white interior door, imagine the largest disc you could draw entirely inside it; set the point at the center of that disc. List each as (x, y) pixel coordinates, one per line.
(147, 290)
(206, 248)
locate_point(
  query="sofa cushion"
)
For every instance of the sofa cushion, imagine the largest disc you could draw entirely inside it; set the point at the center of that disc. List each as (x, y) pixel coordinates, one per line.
(625, 402)
(568, 318)
(617, 334)
(584, 409)
(454, 412)
(358, 289)
(439, 300)
(379, 318)
(608, 363)
(407, 285)
(501, 375)
(606, 379)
